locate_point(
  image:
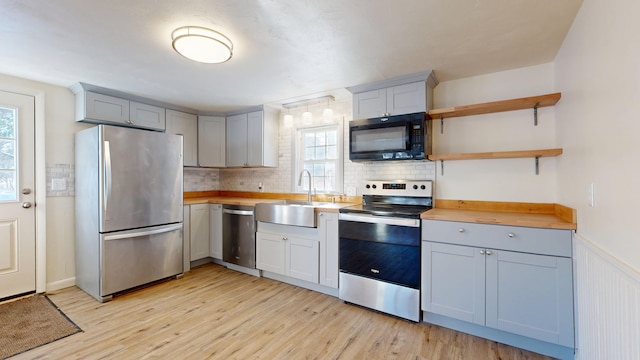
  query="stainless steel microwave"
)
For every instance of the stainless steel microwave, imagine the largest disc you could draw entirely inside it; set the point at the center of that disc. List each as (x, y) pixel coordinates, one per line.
(399, 137)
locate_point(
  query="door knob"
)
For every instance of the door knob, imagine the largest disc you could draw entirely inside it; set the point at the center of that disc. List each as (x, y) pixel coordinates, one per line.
(26, 205)
(26, 191)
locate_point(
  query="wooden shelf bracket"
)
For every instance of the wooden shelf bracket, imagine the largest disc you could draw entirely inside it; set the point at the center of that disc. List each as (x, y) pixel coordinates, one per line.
(441, 167)
(441, 124)
(537, 165)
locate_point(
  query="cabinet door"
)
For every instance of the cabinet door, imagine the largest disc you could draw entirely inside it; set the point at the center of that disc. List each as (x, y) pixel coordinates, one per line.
(329, 266)
(186, 239)
(146, 116)
(370, 104)
(270, 253)
(199, 216)
(211, 141)
(104, 108)
(530, 295)
(302, 259)
(255, 139)
(215, 231)
(237, 140)
(186, 125)
(407, 99)
(453, 281)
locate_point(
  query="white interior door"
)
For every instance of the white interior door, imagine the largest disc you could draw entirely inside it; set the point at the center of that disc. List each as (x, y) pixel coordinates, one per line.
(17, 213)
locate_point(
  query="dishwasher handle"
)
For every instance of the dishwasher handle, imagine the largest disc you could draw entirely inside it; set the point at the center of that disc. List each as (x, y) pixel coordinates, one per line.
(238, 212)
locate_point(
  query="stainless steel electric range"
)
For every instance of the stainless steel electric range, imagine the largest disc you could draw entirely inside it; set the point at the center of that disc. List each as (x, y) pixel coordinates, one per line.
(380, 247)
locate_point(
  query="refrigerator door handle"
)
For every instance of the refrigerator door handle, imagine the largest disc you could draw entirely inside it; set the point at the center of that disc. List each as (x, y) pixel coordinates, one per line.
(132, 234)
(107, 175)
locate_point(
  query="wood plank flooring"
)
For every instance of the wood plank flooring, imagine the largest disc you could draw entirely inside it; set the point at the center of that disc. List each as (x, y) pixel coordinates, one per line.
(216, 313)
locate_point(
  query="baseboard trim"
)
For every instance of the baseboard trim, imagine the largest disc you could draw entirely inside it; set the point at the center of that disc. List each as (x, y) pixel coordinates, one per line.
(61, 284)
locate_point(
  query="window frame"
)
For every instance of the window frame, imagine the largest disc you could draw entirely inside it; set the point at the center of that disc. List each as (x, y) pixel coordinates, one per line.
(298, 159)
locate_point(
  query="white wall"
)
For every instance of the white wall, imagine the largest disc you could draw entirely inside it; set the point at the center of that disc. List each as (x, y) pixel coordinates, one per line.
(597, 71)
(59, 129)
(497, 179)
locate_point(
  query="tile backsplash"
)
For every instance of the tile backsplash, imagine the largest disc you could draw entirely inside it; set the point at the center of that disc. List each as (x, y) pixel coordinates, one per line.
(201, 179)
(61, 180)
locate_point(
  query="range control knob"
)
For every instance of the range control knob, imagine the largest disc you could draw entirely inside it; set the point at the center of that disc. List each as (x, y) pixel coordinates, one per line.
(415, 187)
(422, 187)
(374, 186)
(368, 186)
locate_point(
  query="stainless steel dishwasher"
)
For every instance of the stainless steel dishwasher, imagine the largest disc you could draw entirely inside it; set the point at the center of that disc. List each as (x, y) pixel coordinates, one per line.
(239, 235)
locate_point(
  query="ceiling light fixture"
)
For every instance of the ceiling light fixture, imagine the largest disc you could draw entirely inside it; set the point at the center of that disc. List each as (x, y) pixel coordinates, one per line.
(201, 44)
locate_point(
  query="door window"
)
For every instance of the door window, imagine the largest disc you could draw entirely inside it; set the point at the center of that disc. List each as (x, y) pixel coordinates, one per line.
(8, 145)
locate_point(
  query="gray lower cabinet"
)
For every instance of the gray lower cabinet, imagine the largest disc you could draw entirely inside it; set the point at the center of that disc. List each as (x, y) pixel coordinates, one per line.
(303, 253)
(215, 231)
(515, 279)
(199, 231)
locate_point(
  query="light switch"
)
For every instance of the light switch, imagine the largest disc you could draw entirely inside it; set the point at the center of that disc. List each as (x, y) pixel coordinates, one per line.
(58, 184)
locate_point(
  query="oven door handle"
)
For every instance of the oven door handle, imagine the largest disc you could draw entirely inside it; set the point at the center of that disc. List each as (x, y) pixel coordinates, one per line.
(375, 219)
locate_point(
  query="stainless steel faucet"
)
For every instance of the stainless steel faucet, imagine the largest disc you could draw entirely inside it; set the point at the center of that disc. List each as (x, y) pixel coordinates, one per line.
(310, 182)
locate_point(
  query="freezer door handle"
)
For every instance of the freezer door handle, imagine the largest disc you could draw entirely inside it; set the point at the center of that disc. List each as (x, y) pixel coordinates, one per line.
(107, 175)
(132, 234)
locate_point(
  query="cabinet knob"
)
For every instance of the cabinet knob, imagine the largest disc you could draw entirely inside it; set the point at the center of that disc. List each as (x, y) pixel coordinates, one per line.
(489, 252)
(321, 214)
(482, 252)
(461, 230)
(284, 238)
(511, 235)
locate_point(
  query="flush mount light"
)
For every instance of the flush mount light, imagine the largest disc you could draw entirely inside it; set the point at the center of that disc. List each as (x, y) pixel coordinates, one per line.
(201, 44)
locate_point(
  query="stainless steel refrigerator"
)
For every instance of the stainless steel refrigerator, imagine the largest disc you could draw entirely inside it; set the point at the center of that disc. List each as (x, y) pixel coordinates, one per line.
(129, 198)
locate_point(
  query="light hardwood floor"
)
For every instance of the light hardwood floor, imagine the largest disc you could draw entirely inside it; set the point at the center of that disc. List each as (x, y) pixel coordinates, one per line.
(215, 313)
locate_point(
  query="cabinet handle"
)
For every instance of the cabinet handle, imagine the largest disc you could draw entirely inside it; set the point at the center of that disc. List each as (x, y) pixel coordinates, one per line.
(284, 238)
(461, 230)
(321, 214)
(511, 235)
(489, 252)
(375, 271)
(482, 252)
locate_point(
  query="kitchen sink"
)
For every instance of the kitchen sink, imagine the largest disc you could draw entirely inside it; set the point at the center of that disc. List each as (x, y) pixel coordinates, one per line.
(289, 212)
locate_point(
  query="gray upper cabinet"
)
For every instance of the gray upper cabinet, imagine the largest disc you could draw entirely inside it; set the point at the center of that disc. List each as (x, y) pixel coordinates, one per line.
(515, 279)
(146, 116)
(100, 106)
(401, 95)
(211, 141)
(252, 139)
(185, 124)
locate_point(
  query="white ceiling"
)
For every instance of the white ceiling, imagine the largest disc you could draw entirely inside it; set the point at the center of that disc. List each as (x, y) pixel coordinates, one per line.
(283, 49)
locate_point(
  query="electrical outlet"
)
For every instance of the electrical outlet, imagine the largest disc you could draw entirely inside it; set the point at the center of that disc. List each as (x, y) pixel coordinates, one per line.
(260, 187)
(590, 196)
(58, 184)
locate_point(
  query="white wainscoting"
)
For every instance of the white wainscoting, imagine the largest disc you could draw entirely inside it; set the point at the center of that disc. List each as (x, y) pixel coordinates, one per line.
(608, 305)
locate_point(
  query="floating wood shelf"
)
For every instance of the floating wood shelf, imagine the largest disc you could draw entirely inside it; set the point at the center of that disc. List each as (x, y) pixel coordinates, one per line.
(537, 154)
(498, 155)
(532, 102)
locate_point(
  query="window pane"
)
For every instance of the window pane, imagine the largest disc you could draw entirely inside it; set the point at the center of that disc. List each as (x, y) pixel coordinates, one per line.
(318, 169)
(332, 137)
(320, 153)
(318, 183)
(309, 139)
(320, 138)
(7, 123)
(7, 154)
(309, 153)
(332, 152)
(7, 185)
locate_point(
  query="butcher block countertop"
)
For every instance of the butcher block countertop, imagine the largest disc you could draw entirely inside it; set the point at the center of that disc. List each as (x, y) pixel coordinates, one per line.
(539, 215)
(252, 198)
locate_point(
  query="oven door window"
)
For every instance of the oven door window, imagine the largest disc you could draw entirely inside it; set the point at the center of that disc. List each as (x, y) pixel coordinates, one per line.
(387, 138)
(385, 252)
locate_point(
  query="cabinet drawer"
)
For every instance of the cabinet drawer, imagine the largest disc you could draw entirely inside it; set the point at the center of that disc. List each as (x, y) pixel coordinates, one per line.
(515, 238)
